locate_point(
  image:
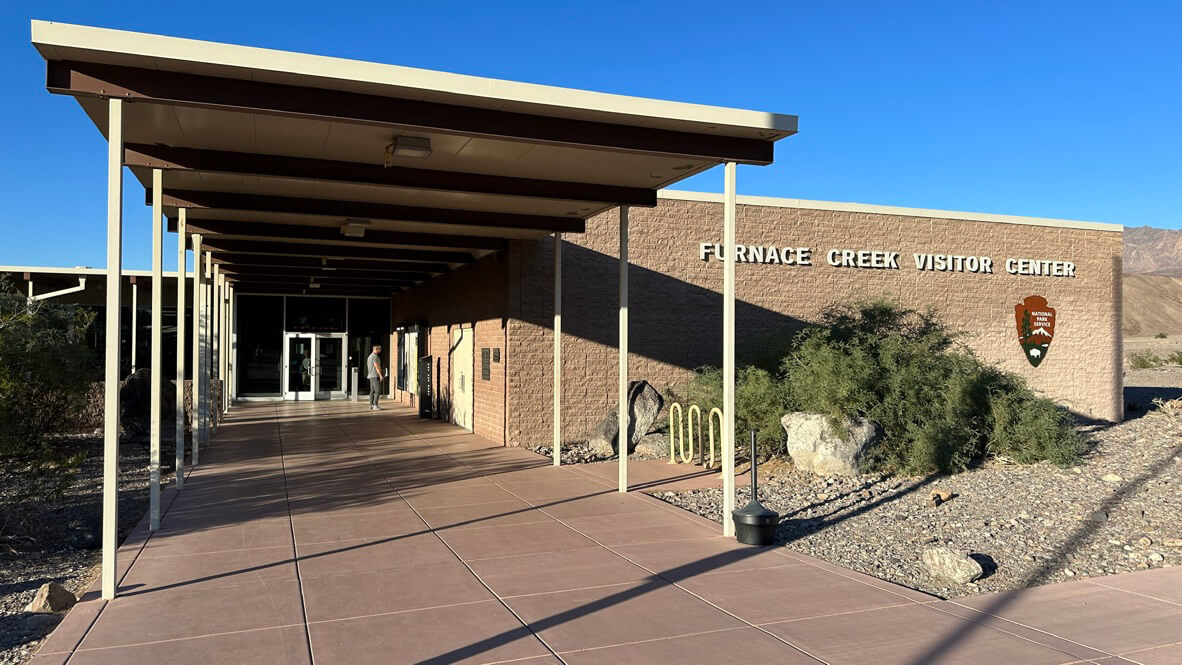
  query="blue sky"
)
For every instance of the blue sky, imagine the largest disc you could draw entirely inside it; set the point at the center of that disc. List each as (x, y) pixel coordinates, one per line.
(1053, 109)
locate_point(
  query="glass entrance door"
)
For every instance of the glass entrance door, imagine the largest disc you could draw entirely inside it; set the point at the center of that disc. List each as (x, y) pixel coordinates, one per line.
(330, 366)
(298, 367)
(314, 366)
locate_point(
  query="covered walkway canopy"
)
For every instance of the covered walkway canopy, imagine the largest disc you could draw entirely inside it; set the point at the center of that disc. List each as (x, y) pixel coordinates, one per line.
(293, 173)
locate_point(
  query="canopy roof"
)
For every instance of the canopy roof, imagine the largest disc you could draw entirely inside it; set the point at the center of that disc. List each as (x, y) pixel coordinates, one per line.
(272, 151)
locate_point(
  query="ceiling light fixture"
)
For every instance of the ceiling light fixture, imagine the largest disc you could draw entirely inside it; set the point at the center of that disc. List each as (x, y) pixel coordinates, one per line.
(354, 228)
(407, 146)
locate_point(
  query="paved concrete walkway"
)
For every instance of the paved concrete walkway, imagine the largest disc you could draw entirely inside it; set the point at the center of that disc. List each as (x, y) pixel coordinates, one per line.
(329, 534)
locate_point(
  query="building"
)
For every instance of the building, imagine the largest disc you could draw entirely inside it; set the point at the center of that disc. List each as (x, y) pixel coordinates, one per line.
(795, 258)
(484, 227)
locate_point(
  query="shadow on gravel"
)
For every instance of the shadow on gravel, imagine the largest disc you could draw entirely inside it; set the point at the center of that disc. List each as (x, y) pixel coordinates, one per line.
(21, 628)
(1074, 543)
(792, 529)
(1139, 399)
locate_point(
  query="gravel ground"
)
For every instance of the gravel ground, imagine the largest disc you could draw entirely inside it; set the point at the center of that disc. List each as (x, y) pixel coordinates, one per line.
(58, 544)
(1119, 510)
(652, 446)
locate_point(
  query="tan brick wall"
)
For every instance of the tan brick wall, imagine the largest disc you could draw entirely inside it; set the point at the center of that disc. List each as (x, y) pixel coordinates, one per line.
(472, 296)
(676, 301)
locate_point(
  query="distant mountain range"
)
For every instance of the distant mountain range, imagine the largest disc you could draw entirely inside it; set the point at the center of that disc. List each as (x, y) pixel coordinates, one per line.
(1152, 282)
(1150, 251)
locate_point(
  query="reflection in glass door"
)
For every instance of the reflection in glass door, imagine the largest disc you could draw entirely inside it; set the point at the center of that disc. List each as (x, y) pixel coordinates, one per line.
(299, 369)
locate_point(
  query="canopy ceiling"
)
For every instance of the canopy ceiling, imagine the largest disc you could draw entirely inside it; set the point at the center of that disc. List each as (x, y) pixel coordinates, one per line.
(271, 152)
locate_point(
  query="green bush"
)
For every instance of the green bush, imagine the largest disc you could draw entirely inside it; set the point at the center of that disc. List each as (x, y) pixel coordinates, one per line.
(1175, 358)
(1144, 360)
(45, 372)
(940, 407)
(760, 402)
(1161, 335)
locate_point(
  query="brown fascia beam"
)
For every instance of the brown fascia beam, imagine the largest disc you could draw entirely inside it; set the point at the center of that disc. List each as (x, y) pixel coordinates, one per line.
(244, 96)
(332, 276)
(309, 249)
(282, 289)
(322, 273)
(324, 286)
(232, 259)
(303, 168)
(261, 230)
(183, 198)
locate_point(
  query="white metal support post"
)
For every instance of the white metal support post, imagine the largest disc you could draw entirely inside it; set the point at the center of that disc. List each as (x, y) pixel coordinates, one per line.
(556, 445)
(195, 388)
(215, 349)
(111, 371)
(728, 352)
(225, 344)
(231, 343)
(180, 348)
(622, 439)
(157, 377)
(135, 324)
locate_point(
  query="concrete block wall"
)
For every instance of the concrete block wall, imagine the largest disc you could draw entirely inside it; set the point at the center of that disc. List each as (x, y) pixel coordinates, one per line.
(676, 302)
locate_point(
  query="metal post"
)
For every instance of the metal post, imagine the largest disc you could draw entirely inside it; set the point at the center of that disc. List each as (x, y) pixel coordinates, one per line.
(206, 351)
(111, 371)
(622, 440)
(198, 347)
(215, 348)
(180, 348)
(157, 378)
(230, 388)
(728, 352)
(135, 313)
(557, 443)
(226, 341)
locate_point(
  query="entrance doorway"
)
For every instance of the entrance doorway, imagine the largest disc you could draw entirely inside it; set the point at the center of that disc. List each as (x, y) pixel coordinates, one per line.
(461, 377)
(314, 366)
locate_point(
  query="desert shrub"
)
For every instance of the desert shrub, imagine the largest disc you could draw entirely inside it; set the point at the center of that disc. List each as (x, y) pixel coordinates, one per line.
(1161, 335)
(760, 402)
(45, 372)
(1175, 358)
(1144, 360)
(940, 407)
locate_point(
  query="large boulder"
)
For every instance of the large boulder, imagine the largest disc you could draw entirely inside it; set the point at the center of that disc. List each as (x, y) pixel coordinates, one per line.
(815, 445)
(644, 403)
(135, 404)
(51, 597)
(949, 564)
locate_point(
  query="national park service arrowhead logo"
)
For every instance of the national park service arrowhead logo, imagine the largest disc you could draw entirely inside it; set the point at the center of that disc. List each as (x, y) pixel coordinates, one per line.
(1036, 327)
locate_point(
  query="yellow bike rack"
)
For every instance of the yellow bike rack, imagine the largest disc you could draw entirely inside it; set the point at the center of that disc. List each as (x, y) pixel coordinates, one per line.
(677, 439)
(680, 432)
(710, 420)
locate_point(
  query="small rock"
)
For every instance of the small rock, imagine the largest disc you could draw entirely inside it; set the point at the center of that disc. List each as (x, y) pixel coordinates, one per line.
(952, 565)
(1098, 516)
(1069, 572)
(939, 496)
(1155, 556)
(1111, 478)
(822, 497)
(1144, 541)
(51, 597)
